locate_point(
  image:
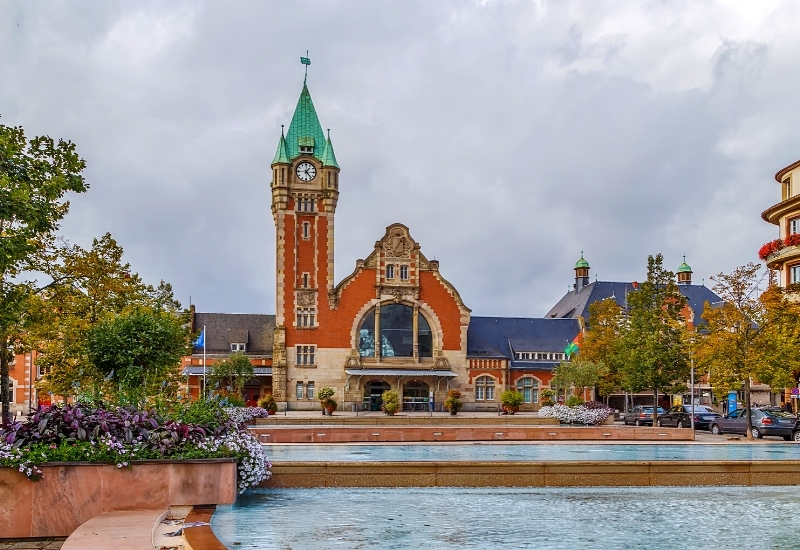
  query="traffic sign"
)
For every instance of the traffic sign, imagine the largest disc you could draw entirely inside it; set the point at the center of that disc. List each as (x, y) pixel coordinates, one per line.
(795, 392)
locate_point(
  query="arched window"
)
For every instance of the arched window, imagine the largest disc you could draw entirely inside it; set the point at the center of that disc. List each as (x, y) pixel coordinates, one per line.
(395, 333)
(529, 388)
(484, 388)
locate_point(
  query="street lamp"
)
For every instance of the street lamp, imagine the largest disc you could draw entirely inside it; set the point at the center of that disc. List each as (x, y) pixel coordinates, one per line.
(691, 359)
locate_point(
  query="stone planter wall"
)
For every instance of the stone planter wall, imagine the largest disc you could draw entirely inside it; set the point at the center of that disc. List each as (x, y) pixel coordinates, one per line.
(72, 493)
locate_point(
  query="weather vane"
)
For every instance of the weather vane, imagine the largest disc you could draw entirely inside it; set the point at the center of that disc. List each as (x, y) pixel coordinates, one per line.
(305, 61)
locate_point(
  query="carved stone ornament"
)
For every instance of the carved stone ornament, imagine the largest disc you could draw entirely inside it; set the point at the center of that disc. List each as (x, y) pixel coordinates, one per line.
(371, 262)
(398, 293)
(306, 297)
(333, 299)
(442, 363)
(354, 361)
(397, 244)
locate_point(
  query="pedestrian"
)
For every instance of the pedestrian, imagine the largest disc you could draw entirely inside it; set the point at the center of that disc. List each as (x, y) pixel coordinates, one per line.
(787, 406)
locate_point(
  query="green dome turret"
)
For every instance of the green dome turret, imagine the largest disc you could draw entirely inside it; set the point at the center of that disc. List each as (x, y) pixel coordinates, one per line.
(684, 267)
(684, 273)
(582, 263)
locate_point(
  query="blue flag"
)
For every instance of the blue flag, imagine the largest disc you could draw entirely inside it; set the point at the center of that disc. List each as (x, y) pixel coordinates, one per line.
(201, 340)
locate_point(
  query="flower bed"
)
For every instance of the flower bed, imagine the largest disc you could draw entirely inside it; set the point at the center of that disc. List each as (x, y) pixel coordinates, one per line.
(775, 246)
(80, 433)
(240, 415)
(591, 412)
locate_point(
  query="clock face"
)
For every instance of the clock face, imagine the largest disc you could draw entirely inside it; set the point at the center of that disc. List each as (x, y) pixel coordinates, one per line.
(306, 171)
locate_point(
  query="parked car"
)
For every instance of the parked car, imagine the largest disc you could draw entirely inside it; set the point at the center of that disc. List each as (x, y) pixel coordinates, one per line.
(680, 416)
(641, 415)
(765, 422)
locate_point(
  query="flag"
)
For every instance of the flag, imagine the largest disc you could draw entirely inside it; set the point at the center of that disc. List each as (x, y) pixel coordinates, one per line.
(201, 340)
(305, 60)
(574, 346)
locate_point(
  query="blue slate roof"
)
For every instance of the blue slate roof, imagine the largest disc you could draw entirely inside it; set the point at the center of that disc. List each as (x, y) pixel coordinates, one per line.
(501, 337)
(576, 304)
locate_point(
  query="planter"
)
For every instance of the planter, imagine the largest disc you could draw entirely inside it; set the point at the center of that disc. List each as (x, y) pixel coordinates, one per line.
(71, 493)
(509, 409)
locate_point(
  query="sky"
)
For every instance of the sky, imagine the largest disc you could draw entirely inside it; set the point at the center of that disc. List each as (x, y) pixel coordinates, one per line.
(508, 136)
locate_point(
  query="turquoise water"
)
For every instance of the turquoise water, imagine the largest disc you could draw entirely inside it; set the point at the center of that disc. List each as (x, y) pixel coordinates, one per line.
(531, 452)
(751, 518)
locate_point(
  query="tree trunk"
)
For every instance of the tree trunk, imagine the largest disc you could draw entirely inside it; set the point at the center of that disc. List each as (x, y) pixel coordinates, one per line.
(747, 407)
(655, 407)
(5, 394)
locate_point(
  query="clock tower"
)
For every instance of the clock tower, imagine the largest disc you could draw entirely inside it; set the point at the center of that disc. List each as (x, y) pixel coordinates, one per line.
(305, 190)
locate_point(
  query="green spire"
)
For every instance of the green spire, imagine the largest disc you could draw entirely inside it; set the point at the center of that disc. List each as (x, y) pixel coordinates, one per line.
(684, 267)
(281, 155)
(305, 129)
(328, 157)
(582, 263)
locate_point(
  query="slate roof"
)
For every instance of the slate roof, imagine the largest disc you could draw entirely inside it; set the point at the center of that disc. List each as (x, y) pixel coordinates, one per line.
(224, 329)
(501, 337)
(576, 304)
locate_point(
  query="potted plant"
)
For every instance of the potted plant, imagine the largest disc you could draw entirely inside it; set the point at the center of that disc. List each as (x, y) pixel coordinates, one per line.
(391, 402)
(453, 403)
(330, 405)
(511, 400)
(547, 397)
(268, 403)
(324, 395)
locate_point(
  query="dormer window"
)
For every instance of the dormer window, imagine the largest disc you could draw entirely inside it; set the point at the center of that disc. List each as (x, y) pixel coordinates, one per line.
(306, 145)
(307, 149)
(238, 348)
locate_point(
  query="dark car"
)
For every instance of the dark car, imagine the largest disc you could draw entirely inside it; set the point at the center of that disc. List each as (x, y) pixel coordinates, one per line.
(764, 421)
(680, 416)
(641, 415)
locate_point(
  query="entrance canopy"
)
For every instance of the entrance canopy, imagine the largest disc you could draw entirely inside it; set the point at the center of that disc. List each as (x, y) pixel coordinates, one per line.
(417, 373)
(198, 371)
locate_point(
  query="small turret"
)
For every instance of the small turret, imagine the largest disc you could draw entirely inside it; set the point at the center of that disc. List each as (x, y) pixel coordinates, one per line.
(581, 273)
(684, 273)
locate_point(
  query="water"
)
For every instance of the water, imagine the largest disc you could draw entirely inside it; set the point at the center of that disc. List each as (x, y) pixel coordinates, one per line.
(572, 518)
(530, 452)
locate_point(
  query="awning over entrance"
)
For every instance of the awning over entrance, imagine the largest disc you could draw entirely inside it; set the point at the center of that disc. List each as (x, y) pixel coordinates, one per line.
(401, 372)
(198, 371)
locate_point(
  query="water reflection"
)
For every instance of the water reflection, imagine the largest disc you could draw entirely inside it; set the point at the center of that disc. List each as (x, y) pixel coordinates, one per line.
(555, 518)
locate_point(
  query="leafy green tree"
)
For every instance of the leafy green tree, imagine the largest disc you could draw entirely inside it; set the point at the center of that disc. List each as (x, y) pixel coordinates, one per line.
(601, 343)
(138, 352)
(652, 349)
(35, 175)
(95, 285)
(749, 336)
(234, 371)
(578, 375)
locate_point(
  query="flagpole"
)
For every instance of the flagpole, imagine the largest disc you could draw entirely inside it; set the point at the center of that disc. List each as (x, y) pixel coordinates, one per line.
(204, 361)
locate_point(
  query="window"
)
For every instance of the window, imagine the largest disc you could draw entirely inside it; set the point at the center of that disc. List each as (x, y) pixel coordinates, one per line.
(238, 348)
(794, 226)
(305, 355)
(305, 205)
(307, 149)
(395, 333)
(403, 272)
(788, 185)
(529, 388)
(305, 317)
(283, 175)
(310, 390)
(390, 271)
(304, 280)
(298, 392)
(794, 274)
(484, 388)
(329, 179)
(306, 231)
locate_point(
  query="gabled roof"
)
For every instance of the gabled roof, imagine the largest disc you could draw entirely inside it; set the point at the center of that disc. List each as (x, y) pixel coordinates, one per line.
(576, 304)
(305, 128)
(224, 329)
(501, 337)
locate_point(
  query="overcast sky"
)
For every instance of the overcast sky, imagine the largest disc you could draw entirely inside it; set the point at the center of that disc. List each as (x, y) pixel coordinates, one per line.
(508, 136)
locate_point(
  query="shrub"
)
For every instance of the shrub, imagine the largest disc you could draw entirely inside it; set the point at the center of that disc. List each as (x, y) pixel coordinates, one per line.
(391, 402)
(511, 400)
(234, 401)
(268, 403)
(330, 405)
(325, 393)
(453, 402)
(574, 401)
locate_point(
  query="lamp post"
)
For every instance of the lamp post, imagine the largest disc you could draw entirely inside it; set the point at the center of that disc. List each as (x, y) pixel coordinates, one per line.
(691, 360)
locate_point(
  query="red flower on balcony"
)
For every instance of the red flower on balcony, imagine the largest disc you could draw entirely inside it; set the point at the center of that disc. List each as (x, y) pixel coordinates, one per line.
(776, 245)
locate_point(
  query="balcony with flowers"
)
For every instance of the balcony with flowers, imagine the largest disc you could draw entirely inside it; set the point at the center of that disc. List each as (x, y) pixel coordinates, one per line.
(777, 251)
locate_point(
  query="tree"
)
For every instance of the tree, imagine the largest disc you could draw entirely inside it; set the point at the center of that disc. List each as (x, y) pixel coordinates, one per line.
(750, 335)
(139, 352)
(234, 371)
(601, 343)
(579, 374)
(34, 177)
(652, 351)
(95, 285)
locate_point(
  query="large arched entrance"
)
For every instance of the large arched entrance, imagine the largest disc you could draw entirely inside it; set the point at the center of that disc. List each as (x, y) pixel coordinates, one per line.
(373, 391)
(415, 396)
